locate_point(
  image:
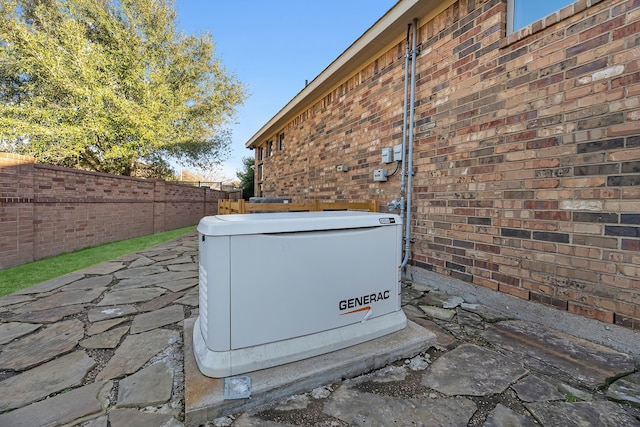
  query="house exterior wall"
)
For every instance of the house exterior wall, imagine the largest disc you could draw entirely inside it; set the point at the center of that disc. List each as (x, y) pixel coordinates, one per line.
(526, 155)
(48, 210)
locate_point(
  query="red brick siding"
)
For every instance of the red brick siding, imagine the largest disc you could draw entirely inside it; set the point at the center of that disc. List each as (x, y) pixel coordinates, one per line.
(527, 152)
(47, 210)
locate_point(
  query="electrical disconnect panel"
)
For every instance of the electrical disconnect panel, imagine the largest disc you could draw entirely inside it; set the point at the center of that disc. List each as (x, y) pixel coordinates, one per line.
(380, 175)
(387, 155)
(397, 153)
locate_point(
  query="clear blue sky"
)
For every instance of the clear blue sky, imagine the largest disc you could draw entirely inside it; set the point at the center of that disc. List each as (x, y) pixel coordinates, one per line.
(528, 11)
(273, 47)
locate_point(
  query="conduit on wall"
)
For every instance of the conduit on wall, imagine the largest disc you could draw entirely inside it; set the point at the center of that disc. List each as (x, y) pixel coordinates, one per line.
(407, 139)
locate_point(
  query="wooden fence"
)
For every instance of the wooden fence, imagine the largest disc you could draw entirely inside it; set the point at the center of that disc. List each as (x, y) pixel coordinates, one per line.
(241, 207)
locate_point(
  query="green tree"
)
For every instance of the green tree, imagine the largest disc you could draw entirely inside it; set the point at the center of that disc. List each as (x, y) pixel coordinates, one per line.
(246, 177)
(111, 86)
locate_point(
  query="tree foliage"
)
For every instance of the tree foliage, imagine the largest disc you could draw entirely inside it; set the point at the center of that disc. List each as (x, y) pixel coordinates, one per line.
(246, 177)
(111, 86)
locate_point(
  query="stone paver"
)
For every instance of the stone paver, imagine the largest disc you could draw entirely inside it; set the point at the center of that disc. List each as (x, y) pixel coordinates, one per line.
(108, 339)
(101, 421)
(145, 271)
(14, 299)
(174, 276)
(180, 285)
(155, 319)
(98, 314)
(471, 322)
(189, 299)
(502, 416)
(12, 330)
(470, 370)
(60, 409)
(60, 299)
(50, 315)
(246, 420)
(135, 351)
(579, 414)
(168, 278)
(104, 325)
(149, 386)
(136, 418)
(104, 347)
(559, 354)
(39, 382)
(160, 302)
(179, 267)
(90, 283)
(160, 255)
(444, 338)
(534, 389)
(626, 389)
(437, 312)
(104, 268)
(183, 260)
(41, 346)
(129, 296)
(141, 262)
(452, 302)
(363, 409)
(50, 285)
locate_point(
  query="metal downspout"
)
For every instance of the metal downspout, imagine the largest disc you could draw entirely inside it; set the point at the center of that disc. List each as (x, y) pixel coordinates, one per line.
(409, 170)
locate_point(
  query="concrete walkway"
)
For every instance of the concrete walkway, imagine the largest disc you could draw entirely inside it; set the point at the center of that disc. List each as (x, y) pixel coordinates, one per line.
(105, 347)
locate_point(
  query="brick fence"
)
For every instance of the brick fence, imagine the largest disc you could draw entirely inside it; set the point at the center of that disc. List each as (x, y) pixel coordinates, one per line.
(48, 210)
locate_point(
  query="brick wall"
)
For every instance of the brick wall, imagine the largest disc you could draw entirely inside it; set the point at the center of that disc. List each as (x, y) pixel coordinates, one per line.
(527, 152)
(47, 210)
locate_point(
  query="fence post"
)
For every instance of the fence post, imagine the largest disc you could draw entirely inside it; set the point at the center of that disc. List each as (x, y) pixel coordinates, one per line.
(159, 195)
(241, 206)
(19, 226)
(204, 202)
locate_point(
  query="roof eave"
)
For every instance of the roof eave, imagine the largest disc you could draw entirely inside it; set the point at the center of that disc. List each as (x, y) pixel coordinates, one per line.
(387, 30)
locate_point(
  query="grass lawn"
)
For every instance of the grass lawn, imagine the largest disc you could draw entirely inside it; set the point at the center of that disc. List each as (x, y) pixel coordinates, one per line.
(25, 275)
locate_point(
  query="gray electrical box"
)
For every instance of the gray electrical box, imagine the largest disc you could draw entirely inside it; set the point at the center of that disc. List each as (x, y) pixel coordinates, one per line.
(380, 175)
(387, 155)
(397, 153)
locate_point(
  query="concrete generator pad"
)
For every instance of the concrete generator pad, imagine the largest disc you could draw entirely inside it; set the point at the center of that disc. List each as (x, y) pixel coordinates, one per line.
(204, 396)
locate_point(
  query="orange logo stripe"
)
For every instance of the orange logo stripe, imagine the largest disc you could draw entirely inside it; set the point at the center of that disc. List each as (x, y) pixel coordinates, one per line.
(365, 308)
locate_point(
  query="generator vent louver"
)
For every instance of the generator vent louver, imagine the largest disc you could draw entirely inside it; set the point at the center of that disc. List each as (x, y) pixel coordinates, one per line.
(203, 300)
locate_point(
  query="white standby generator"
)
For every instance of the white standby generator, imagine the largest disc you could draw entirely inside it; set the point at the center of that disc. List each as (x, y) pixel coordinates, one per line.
(281, 287)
